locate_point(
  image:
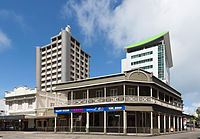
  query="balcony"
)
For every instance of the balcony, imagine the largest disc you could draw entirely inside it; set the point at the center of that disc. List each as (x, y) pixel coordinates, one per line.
(122, 99)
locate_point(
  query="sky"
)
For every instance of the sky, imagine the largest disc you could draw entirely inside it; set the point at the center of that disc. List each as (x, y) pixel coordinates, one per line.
(104, 28)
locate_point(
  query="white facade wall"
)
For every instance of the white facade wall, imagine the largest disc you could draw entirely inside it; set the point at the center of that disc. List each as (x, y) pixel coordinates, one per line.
(21, 100)
(126, 63)
(25, 101)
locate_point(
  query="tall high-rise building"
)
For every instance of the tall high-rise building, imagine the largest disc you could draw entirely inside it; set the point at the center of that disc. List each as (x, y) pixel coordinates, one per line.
(60, 61)
(153, 55)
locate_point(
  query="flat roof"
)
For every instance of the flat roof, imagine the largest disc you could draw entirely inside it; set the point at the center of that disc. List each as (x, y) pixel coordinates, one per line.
(147, 40)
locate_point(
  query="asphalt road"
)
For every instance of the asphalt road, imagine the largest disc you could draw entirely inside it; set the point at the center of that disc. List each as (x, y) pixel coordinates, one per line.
(46, 135)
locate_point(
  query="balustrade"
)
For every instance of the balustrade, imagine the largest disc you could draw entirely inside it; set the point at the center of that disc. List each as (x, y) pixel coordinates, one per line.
(126, 98)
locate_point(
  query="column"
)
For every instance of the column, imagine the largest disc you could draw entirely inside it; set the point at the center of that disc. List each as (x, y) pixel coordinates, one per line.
(169, 123)
(138, 92)
(38, 68)
(152, 123)
(55, 125)
(157, 94)
(164, 123)
(87, 95)
(164, 97)
(181, 123)
(125, 121)
(124, 91)
(71, 122)
(87, 122)
(151, 92)
(72, 97)
(177, 123)
(105, 94)
(65, 68)
(105, 118)
(158, 123)
(174, 126)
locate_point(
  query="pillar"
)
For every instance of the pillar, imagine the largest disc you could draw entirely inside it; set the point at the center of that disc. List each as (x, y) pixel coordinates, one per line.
(157, 94)
(151, 92)
(169, 123)
(65, 74)
(38, 68)
(152, 123)
(72, 97)
(138, 92)
(164, 123)
(87, 95)
(158, 123)
(105, 94)
(125, 121)
(177, 123)
(124, 92)
(174, 123)
(181, 123)
(71, 122)
(105, 118)
(87, 122)
(55, 124)
(164, 97)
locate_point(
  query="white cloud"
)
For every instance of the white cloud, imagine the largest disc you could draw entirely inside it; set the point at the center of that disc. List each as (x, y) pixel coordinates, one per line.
(4, 41)
(135, 20)
(11, 15)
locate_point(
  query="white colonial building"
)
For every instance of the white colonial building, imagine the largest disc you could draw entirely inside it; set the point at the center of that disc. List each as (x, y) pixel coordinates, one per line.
(21, 101)
(26, 101)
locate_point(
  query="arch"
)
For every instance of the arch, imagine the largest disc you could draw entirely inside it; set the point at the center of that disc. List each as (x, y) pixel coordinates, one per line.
(138, 76)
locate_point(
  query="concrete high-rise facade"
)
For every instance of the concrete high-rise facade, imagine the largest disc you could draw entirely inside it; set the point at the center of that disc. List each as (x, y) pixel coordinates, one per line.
(152, 55)
(60, 61)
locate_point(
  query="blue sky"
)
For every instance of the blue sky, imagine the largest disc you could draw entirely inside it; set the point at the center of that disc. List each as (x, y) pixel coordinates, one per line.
(103, 27)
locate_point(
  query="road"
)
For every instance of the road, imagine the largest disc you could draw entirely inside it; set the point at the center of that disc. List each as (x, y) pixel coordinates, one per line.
(47, 135)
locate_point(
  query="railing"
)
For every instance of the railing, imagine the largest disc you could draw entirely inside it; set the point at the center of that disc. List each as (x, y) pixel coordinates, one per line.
(45, 128)
(79, 129)
(127, 99)
(96, 129)
(138, 130)
(114, 129)
(63, 128)
(156, 131)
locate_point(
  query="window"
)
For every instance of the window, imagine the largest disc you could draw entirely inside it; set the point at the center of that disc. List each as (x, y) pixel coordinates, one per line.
(113, 92)
(99, 93)
(54, 51)
(147, 67)
(19, 105)
(54, 45)
(160, 62)
(30, 104)
(84, 94)
(132, 91)
(59, 37)
(142, 61)
(142, 54)
(48, 47)
(10, 105)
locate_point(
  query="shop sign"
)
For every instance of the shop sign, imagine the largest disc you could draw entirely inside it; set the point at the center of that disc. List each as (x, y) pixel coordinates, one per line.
(95, 109)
